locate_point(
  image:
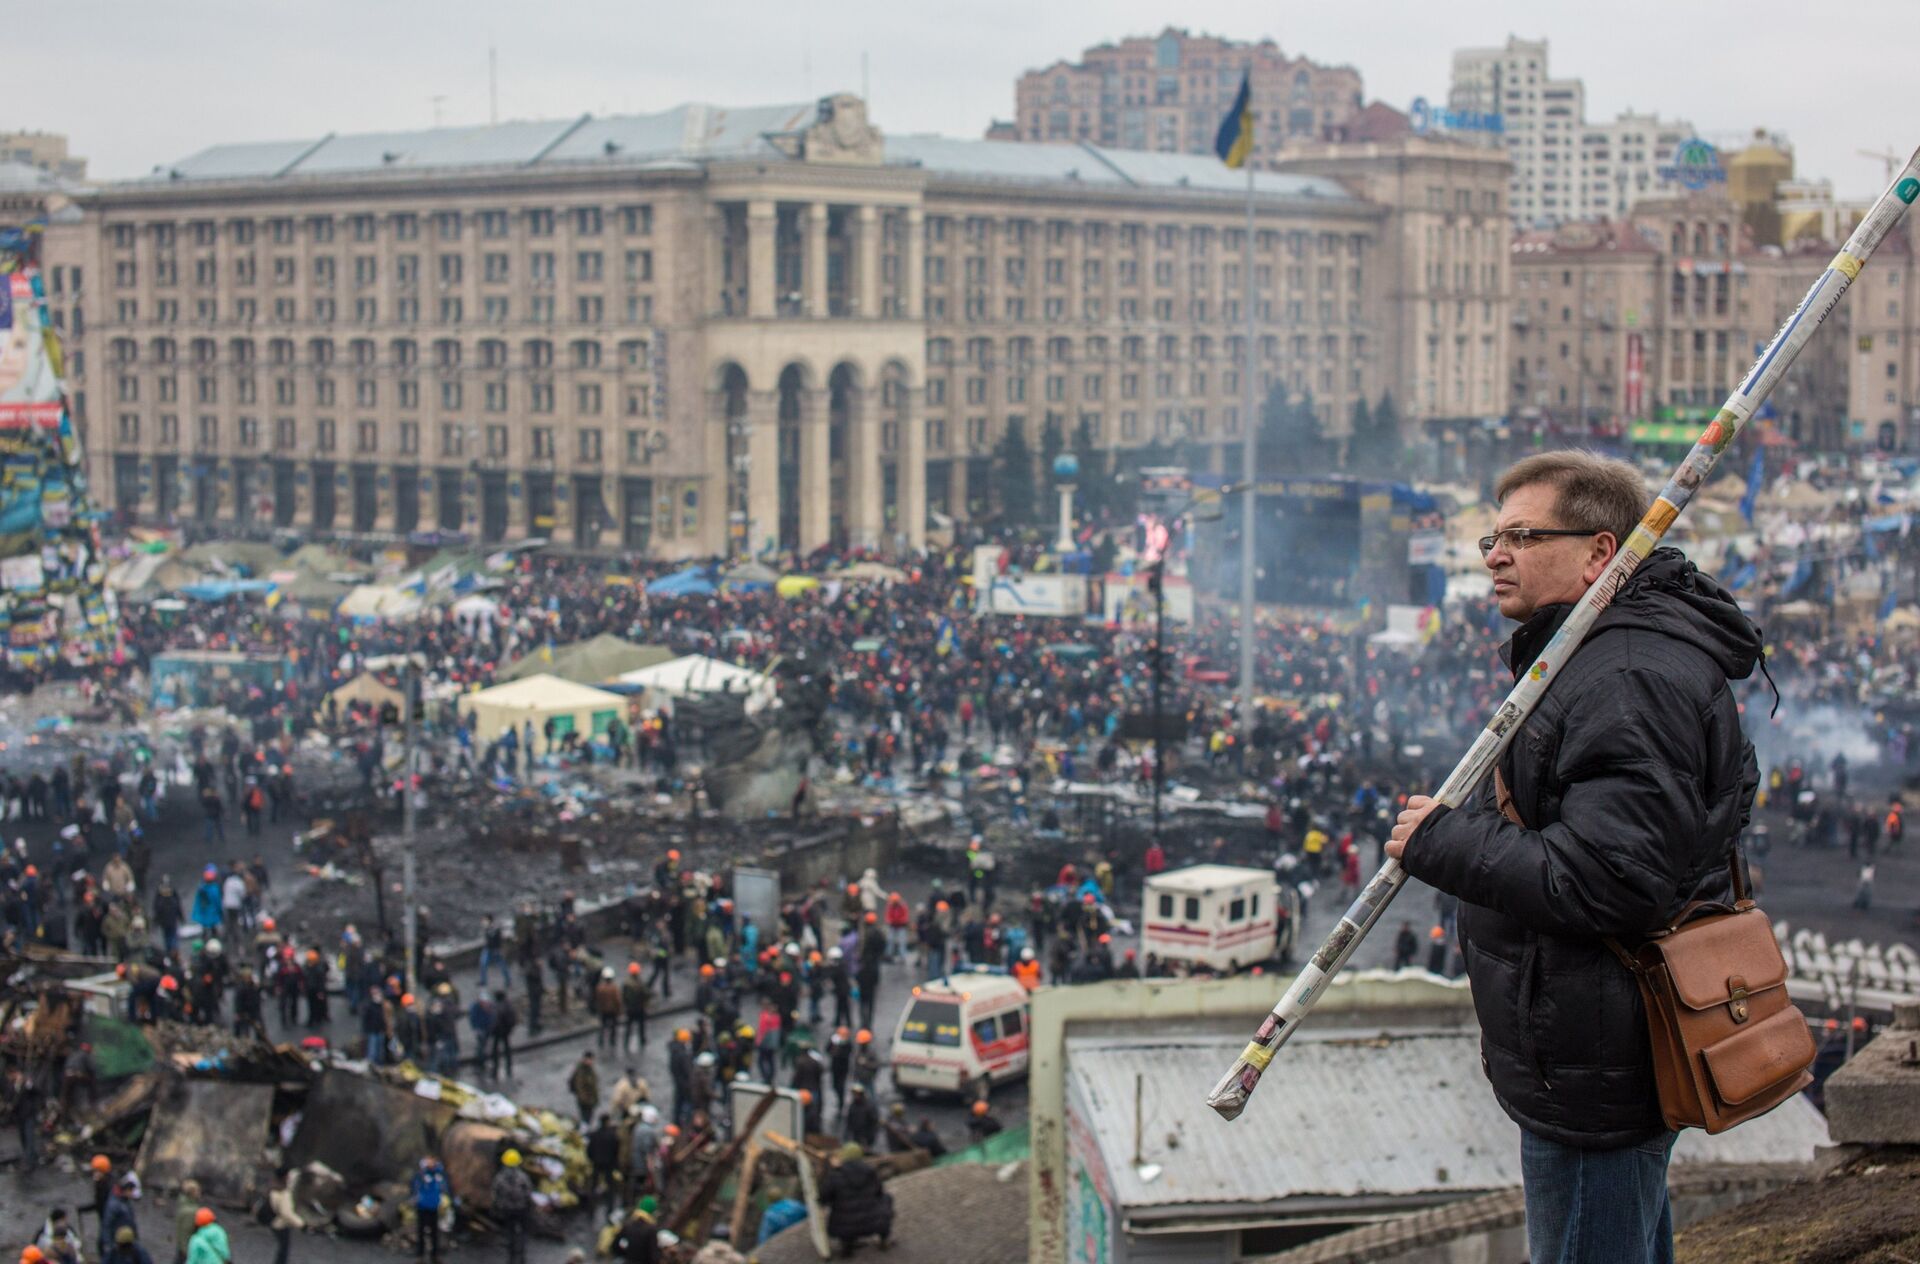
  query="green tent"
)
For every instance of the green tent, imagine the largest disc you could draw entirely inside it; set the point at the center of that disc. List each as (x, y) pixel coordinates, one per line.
(590, 662)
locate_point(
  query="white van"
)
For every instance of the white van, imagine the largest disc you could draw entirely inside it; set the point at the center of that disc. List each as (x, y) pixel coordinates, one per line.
(1219, 916)
(961, 1031)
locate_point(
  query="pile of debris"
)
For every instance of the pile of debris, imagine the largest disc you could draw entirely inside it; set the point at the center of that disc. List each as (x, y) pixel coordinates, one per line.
(178, 1103)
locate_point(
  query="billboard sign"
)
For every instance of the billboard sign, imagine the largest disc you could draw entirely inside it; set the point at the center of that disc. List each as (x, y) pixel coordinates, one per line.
(1428, 118)
(1695, 165)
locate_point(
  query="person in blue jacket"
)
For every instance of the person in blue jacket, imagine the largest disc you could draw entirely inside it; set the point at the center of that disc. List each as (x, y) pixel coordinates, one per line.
(429, 1191)
(206, 901)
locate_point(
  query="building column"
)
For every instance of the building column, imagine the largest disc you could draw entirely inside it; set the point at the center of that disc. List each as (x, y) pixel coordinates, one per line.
(957, 489)
(866, 512)
(816, 474)
(814, 282)
(384, 500)
(763, 469)
(866, 272)
(761, 220)
(911, 473)
(714, 300)
(915, 264)
(519, 515)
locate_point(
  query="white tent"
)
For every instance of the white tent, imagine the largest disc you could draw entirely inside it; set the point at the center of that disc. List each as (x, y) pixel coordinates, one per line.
(696, 673)
(380, 601)
(574, 708)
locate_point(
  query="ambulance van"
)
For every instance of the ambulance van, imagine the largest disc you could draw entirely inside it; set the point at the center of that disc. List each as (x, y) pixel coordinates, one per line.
(1218, 916)
(961, 1032)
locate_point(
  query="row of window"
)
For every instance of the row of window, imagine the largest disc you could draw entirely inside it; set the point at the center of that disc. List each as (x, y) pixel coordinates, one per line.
(1198, 240)
(447, 225)
(588, 397)
(496, 268)
(492, 309)
(1127, 311)
(1132, 349)
(489, 353)
(1200, 276)
(457, 440)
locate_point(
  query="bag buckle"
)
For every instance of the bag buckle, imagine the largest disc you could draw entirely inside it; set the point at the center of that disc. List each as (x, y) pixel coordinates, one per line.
(1737, 998)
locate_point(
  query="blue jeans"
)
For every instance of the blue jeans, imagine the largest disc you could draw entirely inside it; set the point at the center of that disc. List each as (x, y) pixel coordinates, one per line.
(488, 957)
(1597, 1206)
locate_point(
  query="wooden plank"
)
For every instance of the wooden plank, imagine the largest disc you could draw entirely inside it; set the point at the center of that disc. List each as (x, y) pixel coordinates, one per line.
(697, 1202)
(816, 1218)
(743, 1194)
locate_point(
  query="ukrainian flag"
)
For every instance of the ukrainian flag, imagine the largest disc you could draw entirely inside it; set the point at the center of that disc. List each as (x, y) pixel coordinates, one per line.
(1234, 141)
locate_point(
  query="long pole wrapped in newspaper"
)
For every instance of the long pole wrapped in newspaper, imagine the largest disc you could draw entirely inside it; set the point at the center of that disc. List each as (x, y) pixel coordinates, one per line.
(1229, 1097)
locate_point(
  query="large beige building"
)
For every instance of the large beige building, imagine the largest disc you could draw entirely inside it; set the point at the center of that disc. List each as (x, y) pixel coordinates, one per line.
(1168, 93)
(673, 333)
(1644, 327)
(45, 150)
(1443, 272)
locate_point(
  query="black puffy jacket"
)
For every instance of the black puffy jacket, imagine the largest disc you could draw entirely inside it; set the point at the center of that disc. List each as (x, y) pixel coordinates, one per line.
(857, 1204)
(1635, 777)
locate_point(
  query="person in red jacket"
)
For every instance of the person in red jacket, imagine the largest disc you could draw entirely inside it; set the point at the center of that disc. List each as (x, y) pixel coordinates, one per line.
(1156, 861)
(899, 918)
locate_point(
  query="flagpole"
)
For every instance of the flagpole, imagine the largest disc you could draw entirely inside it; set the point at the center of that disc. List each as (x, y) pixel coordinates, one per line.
(1250, 471)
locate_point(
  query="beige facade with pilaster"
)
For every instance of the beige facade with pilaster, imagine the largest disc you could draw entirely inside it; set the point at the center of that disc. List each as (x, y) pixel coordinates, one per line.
(771, 330)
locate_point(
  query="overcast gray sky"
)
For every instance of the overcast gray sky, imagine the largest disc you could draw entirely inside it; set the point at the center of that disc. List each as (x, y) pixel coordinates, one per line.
(135, 83)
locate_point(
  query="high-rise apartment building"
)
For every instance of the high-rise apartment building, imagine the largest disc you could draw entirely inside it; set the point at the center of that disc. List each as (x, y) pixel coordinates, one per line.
(711, 328)
(1564, 167)
(1168, 93)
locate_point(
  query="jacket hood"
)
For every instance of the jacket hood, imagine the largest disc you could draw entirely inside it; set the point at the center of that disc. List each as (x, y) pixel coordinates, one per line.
(1671, 596)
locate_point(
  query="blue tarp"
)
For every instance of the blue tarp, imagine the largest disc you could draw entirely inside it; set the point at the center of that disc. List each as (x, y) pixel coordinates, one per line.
(691, 582)
(221, 589)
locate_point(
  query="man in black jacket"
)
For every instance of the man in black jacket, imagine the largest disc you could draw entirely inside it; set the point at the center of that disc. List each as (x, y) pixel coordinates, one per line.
(857, 1205)
(1634, 780)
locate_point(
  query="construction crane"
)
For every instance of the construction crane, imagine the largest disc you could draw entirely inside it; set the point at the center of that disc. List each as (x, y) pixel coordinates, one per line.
(1886, 156)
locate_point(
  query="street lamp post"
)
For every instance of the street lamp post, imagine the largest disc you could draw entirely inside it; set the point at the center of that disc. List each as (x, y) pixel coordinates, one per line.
(1159, 581)
(410, 683)
(1205, 507)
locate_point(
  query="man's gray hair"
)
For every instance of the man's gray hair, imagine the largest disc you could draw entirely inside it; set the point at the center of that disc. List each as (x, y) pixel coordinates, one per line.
(1593, 492)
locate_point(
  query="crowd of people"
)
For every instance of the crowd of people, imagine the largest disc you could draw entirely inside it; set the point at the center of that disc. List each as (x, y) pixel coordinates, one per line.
(917, 692)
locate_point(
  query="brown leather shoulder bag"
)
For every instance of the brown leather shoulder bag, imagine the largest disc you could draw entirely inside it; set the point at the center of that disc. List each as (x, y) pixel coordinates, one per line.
(1728, 1042)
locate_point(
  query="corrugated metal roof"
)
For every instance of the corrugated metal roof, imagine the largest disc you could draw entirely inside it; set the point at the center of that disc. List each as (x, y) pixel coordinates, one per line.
(503, 144)
(1003, 160)
(1094, 164)
(1339, 1116)
(1204, 171)
(686, 131)
(696, 133)
(254, 160)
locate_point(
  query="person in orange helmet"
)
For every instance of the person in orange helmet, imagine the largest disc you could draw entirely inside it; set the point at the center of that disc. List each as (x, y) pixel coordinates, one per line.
(981, 1124)
(866, 1060)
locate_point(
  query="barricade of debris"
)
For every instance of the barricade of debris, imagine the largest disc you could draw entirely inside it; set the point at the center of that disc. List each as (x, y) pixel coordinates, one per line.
(177, 1103)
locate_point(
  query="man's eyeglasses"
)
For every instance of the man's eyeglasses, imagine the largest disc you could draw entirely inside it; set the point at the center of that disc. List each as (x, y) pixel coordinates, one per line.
(1513, 539)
